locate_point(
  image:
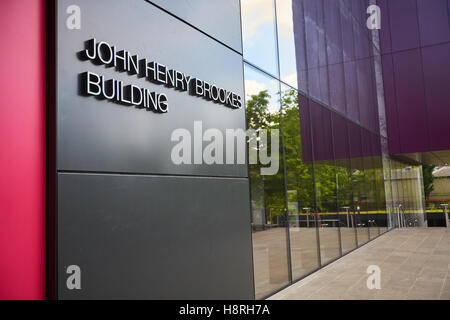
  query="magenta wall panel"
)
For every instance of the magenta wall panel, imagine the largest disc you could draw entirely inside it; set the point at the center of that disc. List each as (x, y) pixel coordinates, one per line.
(22, 145)
(410, 101)
(434, 21)
(436, 67)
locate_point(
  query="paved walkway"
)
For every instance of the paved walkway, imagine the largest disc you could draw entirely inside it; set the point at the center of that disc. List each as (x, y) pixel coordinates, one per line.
(414, 265)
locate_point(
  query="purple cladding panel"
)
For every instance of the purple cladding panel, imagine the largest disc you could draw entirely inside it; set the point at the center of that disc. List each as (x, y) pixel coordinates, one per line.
(416, 80)
(358, 10)
(354, 132)
(412, 113)
(403, 24)
(364, 91)
(347, 36)
(366, 142)
(305, 128)
(436, 66)
(300, 47)
(317, 130)
(322, 137)
(337, 88)
(374, 119)
(333, 31)
(385, 32)
(376, 145)
(340, 136)
(327, 152)
(434, 21)
(351, 90)
(361, 42)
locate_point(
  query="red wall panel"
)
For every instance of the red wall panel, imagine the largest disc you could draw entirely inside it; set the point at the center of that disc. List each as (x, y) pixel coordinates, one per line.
(22, 149)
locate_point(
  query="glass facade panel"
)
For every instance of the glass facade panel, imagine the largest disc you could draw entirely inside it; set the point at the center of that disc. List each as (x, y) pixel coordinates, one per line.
(259, 34)
(310, 72)
(381, 216)
(325, 178)
(358, 181)
(369, 182)
(300, 188)
(344, 184)
(268, 201)
(286, 42)
(316, 54)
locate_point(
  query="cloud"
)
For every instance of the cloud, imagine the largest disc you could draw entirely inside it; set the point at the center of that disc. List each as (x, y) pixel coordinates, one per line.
(255, 13)
(253, 87)
(290, 79)
(285, 19)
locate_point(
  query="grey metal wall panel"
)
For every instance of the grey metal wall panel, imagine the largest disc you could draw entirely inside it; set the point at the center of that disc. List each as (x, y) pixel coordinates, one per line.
(220, 19)
(97, 135)
(153, 237)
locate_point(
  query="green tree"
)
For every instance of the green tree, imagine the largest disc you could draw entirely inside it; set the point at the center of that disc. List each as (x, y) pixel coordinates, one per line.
(257, 111)
(428, 179)
(267, 192)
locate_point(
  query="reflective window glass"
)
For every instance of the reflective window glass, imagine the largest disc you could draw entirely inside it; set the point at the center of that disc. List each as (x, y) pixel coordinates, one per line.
(267, 192)
(344, 184)
(300, 187)
(325, 178)
(286, 42)
(258, 34)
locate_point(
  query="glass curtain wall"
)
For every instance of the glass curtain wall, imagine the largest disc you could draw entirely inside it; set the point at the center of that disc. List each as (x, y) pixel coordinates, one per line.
(308, 74)
(407, 195)
(300, 191)
(268, 201)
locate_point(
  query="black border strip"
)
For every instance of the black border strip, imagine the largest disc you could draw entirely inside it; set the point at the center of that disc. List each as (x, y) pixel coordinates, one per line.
(51, 187)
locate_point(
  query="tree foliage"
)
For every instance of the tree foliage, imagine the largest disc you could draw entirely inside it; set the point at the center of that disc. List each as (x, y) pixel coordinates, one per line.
(268, 192)
(428, 179)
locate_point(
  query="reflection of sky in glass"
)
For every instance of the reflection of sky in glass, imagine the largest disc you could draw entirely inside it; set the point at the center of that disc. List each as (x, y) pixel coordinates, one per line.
(258, 33)
(256, 81)
(288, 67)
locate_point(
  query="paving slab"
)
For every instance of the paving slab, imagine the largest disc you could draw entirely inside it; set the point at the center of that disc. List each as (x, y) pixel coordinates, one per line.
(414, 264)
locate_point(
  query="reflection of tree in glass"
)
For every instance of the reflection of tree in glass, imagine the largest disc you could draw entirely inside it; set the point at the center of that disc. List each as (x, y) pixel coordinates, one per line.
(298, 173)
(267, 192)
